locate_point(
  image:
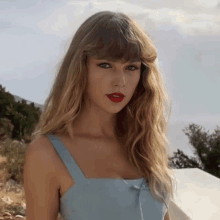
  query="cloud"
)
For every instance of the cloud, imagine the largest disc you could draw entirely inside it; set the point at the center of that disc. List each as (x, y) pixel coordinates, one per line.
(5, 24)
(192, 17)
(62, 22)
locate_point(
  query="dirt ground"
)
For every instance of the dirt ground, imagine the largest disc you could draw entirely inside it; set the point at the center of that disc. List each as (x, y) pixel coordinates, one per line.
(9, 196)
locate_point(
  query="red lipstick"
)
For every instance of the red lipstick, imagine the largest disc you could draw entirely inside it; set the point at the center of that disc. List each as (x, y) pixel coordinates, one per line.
(116, 97)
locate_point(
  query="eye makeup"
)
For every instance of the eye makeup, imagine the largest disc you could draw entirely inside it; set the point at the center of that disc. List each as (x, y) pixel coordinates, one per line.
(101, 65)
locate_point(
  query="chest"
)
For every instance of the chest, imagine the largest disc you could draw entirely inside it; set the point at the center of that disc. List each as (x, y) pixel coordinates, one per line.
(99, 157)
(96, 159)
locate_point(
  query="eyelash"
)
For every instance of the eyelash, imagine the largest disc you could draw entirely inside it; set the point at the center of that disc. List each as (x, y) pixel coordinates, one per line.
(136, 68)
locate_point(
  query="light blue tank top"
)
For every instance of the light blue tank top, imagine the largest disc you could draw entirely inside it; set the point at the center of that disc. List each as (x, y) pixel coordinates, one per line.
(105, 198)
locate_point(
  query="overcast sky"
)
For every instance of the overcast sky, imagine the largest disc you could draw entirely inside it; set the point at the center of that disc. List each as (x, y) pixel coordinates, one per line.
(34, 36)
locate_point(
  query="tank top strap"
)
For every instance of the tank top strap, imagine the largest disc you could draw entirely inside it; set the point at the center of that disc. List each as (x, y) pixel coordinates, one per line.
(67, 159)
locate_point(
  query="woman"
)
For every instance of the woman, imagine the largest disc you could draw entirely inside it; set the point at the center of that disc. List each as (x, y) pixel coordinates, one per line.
(98, 151)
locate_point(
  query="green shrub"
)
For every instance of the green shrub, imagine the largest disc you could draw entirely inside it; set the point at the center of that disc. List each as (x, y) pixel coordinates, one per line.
(6, 126)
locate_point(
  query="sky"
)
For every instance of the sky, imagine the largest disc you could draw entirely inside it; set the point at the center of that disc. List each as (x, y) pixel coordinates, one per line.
(35, 35)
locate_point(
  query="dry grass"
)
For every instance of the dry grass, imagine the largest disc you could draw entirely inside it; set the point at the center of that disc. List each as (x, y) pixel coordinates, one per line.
(12, 197)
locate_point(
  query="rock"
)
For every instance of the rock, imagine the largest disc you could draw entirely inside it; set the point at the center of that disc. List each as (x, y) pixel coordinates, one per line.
(7, 214)
(7, 200)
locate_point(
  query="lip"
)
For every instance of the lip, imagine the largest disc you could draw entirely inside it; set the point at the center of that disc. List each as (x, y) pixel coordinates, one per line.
(118, 94)
(115, 99)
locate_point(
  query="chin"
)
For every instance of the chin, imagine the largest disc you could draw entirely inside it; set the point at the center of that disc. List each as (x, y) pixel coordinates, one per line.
(115, 109)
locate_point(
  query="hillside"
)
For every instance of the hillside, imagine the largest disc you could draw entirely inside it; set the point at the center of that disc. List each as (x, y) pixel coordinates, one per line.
(18, 98)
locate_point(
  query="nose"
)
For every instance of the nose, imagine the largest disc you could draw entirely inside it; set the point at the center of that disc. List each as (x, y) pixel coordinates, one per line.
(119, 79)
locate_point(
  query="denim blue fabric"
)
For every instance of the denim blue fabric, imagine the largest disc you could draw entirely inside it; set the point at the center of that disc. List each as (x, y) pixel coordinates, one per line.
(105, 198)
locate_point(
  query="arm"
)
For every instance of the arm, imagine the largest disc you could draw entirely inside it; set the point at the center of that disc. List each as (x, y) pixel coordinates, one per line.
(167, 216)
(40, 184)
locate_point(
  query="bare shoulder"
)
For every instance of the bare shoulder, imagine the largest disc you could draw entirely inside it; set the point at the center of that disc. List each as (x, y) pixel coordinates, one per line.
(40, 181)
(41, 143)
(44, 148)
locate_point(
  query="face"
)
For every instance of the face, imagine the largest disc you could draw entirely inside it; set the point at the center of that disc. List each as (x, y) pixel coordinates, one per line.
(106, 77)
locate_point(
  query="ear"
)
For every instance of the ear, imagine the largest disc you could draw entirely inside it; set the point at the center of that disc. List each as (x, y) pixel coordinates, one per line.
(167, 216)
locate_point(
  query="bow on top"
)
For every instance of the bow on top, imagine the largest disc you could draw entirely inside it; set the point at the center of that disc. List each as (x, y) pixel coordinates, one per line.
(152, 209)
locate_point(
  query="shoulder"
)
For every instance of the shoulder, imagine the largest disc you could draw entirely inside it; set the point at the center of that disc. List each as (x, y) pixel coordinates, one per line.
(41, 144)
(40, 181)
(43, 149)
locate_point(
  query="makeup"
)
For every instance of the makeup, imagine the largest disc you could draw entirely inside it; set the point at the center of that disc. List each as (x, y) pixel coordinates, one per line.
(116, 97)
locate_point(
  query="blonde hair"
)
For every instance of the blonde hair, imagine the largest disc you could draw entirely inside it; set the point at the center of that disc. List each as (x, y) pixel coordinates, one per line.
(116, 36)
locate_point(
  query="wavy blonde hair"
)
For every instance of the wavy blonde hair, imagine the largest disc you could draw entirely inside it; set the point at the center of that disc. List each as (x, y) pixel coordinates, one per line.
(116, 36)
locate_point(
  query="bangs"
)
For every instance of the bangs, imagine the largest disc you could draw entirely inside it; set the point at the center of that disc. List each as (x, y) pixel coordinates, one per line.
(114, 42)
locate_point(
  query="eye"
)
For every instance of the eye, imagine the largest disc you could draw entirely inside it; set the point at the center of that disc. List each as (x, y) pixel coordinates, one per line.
(101, 64)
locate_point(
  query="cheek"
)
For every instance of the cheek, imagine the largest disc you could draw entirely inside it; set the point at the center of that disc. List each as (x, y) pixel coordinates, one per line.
(97, 85)
(133, 82)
